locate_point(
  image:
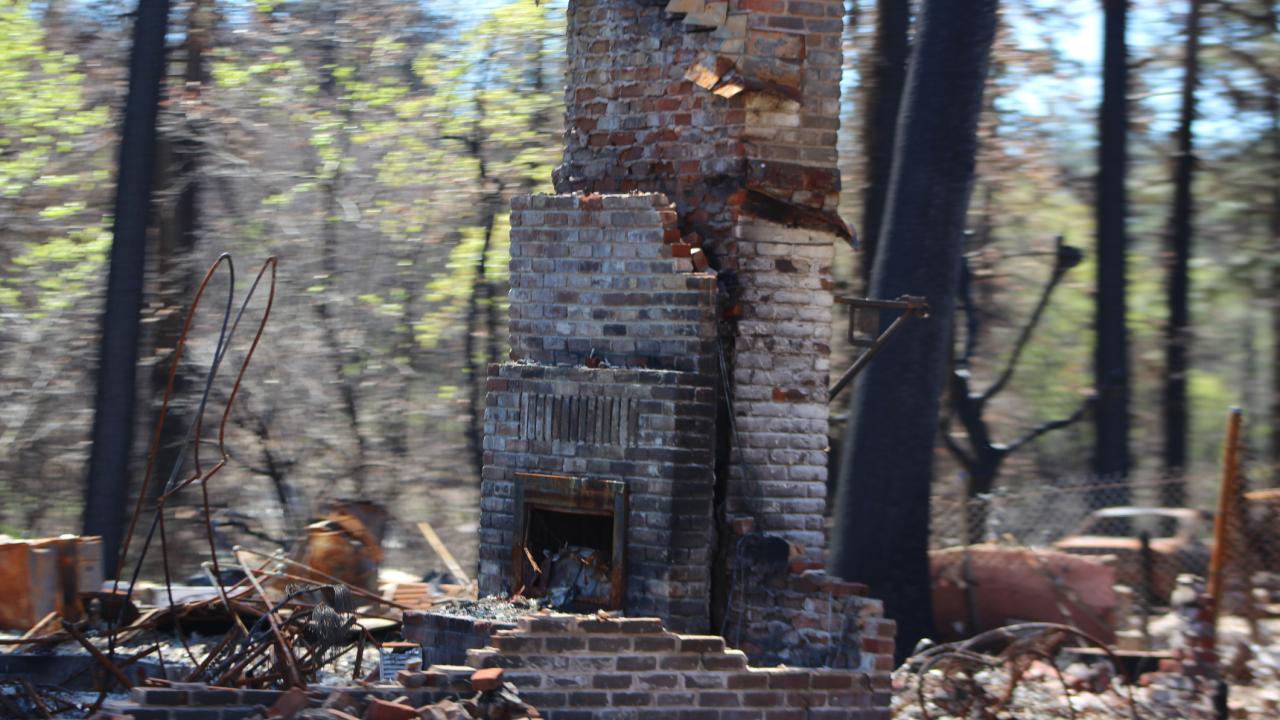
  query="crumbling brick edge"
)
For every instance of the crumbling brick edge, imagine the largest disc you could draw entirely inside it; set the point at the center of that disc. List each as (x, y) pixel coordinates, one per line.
(573, 667)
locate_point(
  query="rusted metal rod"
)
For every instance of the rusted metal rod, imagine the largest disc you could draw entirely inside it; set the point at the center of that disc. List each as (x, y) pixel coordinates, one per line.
(98, 655)
(126, 662)
(1226, 503)
(866, 357)
(908, 305)
(324, 576)
(907, 302)
(286, 656)
(36, 700)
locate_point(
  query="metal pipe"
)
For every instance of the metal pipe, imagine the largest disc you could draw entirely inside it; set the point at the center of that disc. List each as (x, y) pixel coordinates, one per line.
(1226, 502)
(866, 357)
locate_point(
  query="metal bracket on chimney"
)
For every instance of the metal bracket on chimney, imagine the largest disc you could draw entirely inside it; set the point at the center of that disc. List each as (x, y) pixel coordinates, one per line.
(909, 306)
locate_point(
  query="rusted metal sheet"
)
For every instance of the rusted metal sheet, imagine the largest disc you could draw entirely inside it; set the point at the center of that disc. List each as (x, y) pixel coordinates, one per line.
(45, 576)
(346, 543)
(982, 587)
(336, 553)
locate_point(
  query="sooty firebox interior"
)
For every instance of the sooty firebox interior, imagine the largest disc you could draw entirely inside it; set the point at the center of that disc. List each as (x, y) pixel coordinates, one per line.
(569, 540)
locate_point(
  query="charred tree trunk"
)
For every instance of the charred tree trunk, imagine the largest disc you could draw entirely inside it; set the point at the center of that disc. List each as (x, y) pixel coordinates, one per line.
(1111, 351)
(882, 95)
(481, 294)
(1178, 331)
(482, 291)
(106, 496)
(882, 508)
(331, 224)
(177, 223)
(1273, 102)
(1275, 339)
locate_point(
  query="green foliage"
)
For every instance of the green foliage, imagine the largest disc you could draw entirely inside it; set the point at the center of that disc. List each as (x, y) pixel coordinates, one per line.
(47, 133)
(449, 291)
(42, 113)
(65, 268)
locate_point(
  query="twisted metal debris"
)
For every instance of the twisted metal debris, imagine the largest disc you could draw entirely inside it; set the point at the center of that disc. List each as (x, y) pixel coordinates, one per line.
(956, 690)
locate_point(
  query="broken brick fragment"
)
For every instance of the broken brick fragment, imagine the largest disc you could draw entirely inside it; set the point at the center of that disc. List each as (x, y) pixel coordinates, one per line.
(387, 710)
(699, 259)
(486, 679)
(411, 679)
(788, 395)
(291, 703)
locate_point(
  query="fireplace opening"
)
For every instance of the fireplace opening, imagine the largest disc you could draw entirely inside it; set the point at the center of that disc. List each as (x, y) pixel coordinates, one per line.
(552, 530)
(569, 541)
(574, 554)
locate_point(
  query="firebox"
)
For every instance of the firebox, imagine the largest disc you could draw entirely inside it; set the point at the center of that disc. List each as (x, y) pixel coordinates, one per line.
(570, 540)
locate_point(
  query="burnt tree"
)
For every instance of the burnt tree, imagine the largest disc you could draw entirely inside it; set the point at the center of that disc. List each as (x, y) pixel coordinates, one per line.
(883, 77)
(882, 504)
(981, 455)
(1111, 349)
(1177, 339)
(179, 144)
(106, 496)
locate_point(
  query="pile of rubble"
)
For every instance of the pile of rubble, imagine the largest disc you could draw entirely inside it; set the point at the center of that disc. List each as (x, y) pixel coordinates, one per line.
(433, 696)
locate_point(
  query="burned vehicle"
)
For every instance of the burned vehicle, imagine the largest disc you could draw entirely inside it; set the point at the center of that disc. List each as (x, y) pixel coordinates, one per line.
(1177, 538)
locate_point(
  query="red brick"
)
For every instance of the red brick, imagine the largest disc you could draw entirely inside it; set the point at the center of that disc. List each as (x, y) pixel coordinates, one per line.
(748, 681)
(657, 643)
(719, 699)
(486, 679)
(639, 663)
(766, 6)
(762, 699)
(386, 710)
(777, 45)
(411, 679)
(701, 644)
(831, 681)
(789, 679)
(588, 699)
(609, 644)
(807, 8)
(640, 625)
(289, 704)
(630, 699)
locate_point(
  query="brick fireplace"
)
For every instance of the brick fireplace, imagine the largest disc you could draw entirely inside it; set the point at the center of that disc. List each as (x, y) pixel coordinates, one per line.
(595, 282)
(663, 418)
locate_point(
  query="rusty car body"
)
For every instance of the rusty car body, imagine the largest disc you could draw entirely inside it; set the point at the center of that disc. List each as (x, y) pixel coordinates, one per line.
(1176, 537)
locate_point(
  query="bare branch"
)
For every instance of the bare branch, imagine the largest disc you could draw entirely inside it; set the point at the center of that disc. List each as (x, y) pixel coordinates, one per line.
(1035, 432)
(1067, 257)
